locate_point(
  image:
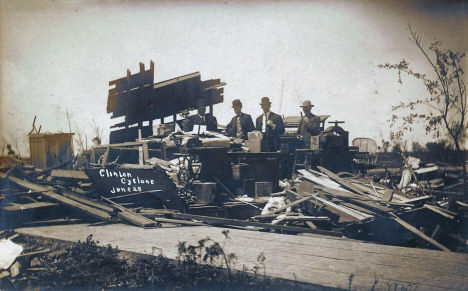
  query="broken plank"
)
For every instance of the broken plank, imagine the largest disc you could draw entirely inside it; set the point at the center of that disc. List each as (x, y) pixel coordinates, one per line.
(60, 199)
(419, 233)
(356, 199)
(309, 223)
(307, 218)
(132, 217)
(34, 205)
(324, 181)
(357, 216)
(439, 210)
(340, 181)
(226, 221)
(87, 201)
(358, 208)
(417, 199)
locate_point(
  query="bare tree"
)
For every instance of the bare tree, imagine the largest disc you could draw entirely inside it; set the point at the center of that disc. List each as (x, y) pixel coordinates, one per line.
(97, 131)
(447, 98)
(79, 139)
(3, 145)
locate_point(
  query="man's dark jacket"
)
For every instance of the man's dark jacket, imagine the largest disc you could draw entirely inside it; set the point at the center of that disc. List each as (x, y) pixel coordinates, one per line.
(210, 122)
(272, 135)
(246, 125)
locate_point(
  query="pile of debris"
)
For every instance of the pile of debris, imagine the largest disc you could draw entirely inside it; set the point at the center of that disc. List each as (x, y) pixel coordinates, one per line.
(315, 202)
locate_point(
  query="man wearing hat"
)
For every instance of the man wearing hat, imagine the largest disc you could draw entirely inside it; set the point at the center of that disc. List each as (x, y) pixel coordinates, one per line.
(201, 118)
(240, 124)
(271, 125)
(309, 124)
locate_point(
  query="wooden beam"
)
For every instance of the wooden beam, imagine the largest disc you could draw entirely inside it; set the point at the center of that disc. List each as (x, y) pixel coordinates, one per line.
(60, 199)
(87, 201)
(358, 216)
(106, 154)
(440, 210)
(69, 174)
(35, 205)
(417, 199)
(418, 233)
(225, 221)
(309, 223)
(340, 181)
(132, 217)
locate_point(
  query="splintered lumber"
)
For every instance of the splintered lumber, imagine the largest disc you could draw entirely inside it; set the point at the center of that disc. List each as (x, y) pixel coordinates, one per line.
(322, 180)
(131, 216)
(309, 223)
(462, 204)
(306, 218)
(87, 201)
(60, 199)
(288, 205)
(243, 223)
(418, 233)
(353, 213)
(387, 195)
(340, 181)
(356, 199)
(17, 207)
(417, 199)
(441, 211)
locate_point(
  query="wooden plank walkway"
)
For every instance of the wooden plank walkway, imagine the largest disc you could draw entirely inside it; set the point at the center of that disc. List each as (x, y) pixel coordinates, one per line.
(316, 259)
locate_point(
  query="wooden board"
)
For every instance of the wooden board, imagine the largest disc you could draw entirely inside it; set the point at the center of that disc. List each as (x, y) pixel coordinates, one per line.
(19, 207)
(235, 222)
(60, 199)
(340, 181)
(322, 260)
(69, 174)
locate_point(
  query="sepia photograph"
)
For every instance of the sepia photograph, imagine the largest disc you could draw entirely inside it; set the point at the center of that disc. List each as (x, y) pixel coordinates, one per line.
(233, 145)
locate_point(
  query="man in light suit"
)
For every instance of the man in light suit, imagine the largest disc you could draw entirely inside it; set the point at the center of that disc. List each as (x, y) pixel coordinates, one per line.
(241, 124)
(201, 118)
(271, 125)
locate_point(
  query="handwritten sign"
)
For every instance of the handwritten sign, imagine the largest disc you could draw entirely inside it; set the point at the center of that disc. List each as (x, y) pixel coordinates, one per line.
(128, 182)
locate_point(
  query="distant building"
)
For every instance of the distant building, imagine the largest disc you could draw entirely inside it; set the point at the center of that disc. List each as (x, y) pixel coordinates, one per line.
(50, 149)
(365, 145)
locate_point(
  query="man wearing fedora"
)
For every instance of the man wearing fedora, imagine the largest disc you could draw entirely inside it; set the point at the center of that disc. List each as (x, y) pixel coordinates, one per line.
(201, 118)
(309, 124)
(241, 124)
(271, 125)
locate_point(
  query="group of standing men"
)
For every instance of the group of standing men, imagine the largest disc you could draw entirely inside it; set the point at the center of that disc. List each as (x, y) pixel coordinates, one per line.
(269, 123)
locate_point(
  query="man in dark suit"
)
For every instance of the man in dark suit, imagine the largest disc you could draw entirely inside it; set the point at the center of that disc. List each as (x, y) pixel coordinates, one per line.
(271, 125)
(201, 118)
(309, 124)
(241, 124)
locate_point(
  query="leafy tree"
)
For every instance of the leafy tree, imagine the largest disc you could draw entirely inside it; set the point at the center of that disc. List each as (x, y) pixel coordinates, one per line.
(447, 98)
(385, 146)
(397, 149)
(416, 147)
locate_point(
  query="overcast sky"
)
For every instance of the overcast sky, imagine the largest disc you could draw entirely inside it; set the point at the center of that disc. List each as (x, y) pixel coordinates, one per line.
(60, 55)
